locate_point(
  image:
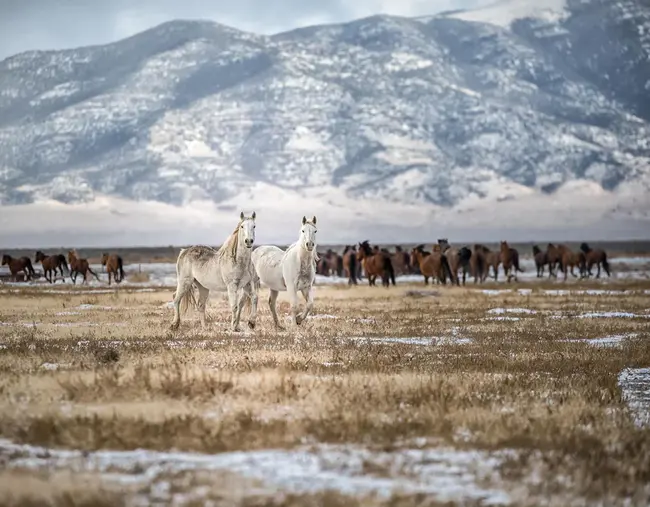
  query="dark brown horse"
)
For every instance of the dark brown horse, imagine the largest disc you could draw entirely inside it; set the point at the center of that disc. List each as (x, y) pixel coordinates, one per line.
(114, 266)
(487, 259)
(565, 259)
(510, 261)
(50, 264)
(432, 265)
(17, 265)
(79, 266)
(350, 264)
(330, 264)
(458, 258)
(541, 260)
(375, 263)
(598, 257)
(401, 262)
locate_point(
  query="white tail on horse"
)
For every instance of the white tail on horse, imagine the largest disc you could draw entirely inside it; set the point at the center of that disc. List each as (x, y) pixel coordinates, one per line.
(293, 270)
(228, 269)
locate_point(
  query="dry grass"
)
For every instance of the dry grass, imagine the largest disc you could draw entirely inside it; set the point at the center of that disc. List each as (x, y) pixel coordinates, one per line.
(138, 277)
(112, 376)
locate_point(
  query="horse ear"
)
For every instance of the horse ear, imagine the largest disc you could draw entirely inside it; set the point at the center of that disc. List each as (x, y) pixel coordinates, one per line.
(241, 216)
(253, 215)
(313, 220)
(304, 220)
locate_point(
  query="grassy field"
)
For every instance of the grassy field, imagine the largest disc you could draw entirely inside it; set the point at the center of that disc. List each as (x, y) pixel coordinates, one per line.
(406, 396)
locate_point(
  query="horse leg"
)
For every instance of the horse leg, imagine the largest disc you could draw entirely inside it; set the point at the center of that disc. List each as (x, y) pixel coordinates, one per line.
(426, 280)
(309, 304)
(273, 298)
(251, 292)
(200, 305)
(109, 277)
(182, 287)
(293, 299)
(234, 300)
(598, 272)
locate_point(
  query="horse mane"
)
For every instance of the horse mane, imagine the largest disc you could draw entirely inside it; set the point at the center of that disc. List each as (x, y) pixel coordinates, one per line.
(419, 248)
(585, 248)
(444, 245)
(398, 248)
(231, 244)
(365, 246)
(536, 250)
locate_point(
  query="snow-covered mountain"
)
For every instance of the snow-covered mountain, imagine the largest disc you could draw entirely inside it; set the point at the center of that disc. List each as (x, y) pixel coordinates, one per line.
(460, 118)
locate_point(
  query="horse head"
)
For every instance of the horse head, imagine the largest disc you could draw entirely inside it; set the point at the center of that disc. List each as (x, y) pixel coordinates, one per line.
(308, 232)
(246, 230)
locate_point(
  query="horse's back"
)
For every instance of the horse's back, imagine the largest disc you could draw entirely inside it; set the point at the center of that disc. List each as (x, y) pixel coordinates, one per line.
(267, 260)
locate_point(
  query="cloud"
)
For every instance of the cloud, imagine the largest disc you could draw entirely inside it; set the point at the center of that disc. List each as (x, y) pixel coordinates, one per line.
(58, 24)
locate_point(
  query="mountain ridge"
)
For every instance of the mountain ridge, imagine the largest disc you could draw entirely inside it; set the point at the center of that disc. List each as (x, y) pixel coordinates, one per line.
(439, 113)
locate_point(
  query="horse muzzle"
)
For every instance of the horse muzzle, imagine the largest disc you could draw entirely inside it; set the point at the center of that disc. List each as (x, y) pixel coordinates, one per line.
(248, 243)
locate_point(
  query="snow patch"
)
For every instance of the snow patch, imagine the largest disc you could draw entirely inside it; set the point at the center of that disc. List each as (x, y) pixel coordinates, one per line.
(445, 474)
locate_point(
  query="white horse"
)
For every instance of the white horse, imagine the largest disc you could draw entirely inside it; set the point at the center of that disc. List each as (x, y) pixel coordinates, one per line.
(228, 269)
(292, 270)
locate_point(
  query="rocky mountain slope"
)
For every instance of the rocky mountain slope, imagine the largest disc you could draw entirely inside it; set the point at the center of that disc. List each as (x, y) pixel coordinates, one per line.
(502, 103)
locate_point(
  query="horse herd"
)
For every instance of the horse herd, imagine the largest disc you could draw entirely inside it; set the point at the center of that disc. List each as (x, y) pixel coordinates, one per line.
(239, 269)
(74, 265)
(446, 263)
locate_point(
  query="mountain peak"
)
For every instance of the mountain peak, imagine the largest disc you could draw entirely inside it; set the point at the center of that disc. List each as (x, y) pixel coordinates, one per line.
(443, 117)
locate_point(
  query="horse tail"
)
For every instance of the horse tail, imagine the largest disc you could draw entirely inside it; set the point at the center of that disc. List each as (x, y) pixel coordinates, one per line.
(188, 299)
(515, 261)
(64, 262)
(30, 268)
(353, 267)
(388, 269)
(481, 266)
(465, 255)
(605, 263)
(446, 267)
(93, 273)
(120, 267)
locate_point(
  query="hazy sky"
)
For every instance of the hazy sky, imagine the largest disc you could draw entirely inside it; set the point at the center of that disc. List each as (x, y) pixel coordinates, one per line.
(57, 24)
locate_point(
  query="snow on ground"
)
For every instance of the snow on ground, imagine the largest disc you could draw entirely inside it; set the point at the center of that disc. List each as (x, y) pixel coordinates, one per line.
(445, 474)
(615, 340)
(635, 384)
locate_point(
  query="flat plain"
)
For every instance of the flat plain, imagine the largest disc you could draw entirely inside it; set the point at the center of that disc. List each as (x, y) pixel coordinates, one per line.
(529, 393)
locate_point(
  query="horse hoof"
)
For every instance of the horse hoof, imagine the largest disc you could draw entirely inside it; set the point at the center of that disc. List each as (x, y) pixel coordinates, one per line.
(174, 326)
(251, 325)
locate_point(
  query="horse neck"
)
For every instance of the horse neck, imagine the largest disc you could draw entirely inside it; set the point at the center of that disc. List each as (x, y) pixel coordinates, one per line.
(243, 254)
(303, 254)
